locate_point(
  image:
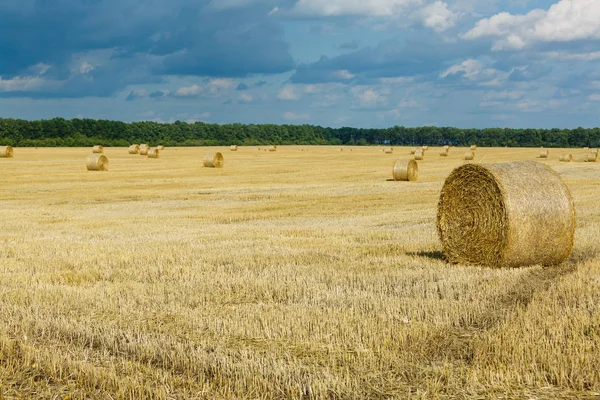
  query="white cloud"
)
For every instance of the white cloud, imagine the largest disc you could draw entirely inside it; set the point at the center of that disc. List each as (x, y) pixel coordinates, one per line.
(245, 98)
(594, 97)
(288, 93)
(190, 91)
(85, 68)
(343, 74)
(368, 97)
(399, 80)
(503, 95)
(564, 56)
(334, 8)
(407, 103)
(438, 17)
(21, 84)
(474, 71)
(292, 116)
(565, 21)
(220, 84)
(273, 11)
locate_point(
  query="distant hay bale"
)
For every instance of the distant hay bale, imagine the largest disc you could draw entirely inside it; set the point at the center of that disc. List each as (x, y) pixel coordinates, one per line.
(444, 152)
(544, 153)
(592, 157)
(98, 149)
(153, 153)
(161, 147)
(233, 147)
(474, 147)
(213, 160)
(413, 150)
(565, 158)
(469, 155)
(425, 147)
(419, 154)
(446, 147)
(272, 148)
(388, 150)
(97, 162)
(6, 152)
(405, 170)
(506, 215)
(134, 149)
(144, 149)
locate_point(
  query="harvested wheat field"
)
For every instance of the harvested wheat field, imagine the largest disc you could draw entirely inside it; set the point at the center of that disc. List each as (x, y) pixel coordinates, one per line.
(283, 275)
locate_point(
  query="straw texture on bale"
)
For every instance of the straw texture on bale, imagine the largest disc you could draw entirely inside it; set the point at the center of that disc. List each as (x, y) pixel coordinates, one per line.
(233, 147)
(419, 154)
(272, 148)
(153, 153)
(592, 157)
(160, 147)
(98, 149)
(474, 147)
(388, 150)
(213, 160)
(506, 215)
(405, 170)
(144, 149)
(544, 153)
(565, 158)
(444, 153)
(97, 162)
(134, 149)
(6, 152)
(469, 155)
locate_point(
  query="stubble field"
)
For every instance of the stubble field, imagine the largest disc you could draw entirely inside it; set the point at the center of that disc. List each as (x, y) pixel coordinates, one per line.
(303, 274)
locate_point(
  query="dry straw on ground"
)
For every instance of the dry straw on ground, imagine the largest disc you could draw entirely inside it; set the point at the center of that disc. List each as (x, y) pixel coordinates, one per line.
(97, 162)
(506, 215)
(213, 160)
(469, 155)
(134, 149)
(160, 147)
(6, 152)
(474, 147)
(419, 154)
(565, 157)
(405, 170)
(153, 153)
(98, 149)
(233, 147)
(272, 148)
(544, 153)
(388, 150)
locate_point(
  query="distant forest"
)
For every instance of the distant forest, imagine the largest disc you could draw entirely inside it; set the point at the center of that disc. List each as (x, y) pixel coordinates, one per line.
(59, 132)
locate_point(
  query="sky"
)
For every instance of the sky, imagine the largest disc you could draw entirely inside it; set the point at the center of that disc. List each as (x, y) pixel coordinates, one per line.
(361, 63)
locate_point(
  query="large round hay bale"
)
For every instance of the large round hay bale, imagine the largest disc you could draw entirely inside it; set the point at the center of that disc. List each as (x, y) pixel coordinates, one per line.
(592, 157)
(388, 150)
(213, 160)
(565, 158)
(272, 148)
(97, 162)
(153, 153)
(405, 170)
(98, 149)
(6, 152)
(506, 215)
(473, 147)
(544, 153)
(144, 149)
(161, 147)
(233, 147)
(134, 149)
(419, 154)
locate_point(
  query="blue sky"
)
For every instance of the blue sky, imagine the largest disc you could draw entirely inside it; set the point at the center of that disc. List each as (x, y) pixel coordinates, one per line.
(363, 63)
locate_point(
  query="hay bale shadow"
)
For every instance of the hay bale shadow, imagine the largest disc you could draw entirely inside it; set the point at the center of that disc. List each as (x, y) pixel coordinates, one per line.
(434, 255)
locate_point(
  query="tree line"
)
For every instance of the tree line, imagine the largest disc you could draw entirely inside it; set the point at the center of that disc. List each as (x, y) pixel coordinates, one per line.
(59, 132)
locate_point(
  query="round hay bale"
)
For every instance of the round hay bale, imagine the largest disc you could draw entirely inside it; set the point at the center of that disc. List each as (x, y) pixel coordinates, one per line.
(98, 149)
(413, 150)
(469, 155)
(272, 148)
(446, 147)
(592, 157)
(134, 149)
(161, 147)
(233, 147)
(6, 152)
(444, 153)
(213, 160)
(419, 154)
(506, 215)
(97, 162)
(405, 170)
(388, 150)
(144, 149)
(474, 147)
(565, 158)
(425, 147)
(153, 153)
(544, 154)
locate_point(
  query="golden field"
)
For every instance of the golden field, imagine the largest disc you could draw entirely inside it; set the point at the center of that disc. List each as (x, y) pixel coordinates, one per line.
(303, 273)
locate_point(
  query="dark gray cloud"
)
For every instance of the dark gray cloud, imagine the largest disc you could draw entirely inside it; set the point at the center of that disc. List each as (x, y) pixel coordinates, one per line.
(242, 86)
